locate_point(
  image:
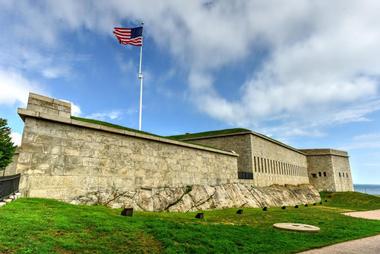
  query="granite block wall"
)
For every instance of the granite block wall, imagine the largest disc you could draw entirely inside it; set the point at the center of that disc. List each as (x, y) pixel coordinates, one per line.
(270, 162)
(64, 158)
(11, 168)
(241, 144)
(329, 169)
(275, 163)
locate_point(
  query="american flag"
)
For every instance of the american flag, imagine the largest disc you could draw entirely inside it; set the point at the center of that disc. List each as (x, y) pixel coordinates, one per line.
(132, 36)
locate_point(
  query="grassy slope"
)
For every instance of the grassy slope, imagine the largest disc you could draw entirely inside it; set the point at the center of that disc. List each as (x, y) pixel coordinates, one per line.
(351, 200)
(46, 226)
(87, 120)
(208, 133)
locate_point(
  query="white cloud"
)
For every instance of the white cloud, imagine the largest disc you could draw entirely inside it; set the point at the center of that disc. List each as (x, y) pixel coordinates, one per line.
(113, 115)
(321, 67)
(16, 138)
(75, 108)
(14, 88)
(364, 141)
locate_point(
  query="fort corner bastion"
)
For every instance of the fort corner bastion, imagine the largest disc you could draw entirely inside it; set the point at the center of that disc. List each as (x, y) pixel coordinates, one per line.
(83, 161)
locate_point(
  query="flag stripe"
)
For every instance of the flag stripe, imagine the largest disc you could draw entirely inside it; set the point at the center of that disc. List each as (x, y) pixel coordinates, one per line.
(122, 33)
(132, 36)
(122, 29)
(131, 40)
(122, 36)
(128, 39)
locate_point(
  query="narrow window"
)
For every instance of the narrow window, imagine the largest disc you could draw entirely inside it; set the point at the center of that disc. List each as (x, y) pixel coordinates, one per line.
(265, 165)
(270, 166)
(320, 173)
(314, 175)
(339, 174)
(347, 175)
(268, 163)
(324, 174)
(277, 167)
(258, 164)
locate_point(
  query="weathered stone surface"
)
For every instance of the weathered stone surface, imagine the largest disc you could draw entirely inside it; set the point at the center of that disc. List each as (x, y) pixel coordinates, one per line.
(59, 159)
(270, 162)
(87, 163)
(329, 170)
(11, 168)
(202, 197)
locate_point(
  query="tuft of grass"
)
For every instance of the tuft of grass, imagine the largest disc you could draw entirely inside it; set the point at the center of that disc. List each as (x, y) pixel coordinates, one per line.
(351, 200)
(31, 225)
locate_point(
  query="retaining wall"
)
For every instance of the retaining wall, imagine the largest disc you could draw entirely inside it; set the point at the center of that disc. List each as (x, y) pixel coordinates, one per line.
(63, 158)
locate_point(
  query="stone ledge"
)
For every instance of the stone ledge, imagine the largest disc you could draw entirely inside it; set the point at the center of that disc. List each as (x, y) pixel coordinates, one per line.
(325, 152)
(30, 113)
(246, 133)
(48, 99)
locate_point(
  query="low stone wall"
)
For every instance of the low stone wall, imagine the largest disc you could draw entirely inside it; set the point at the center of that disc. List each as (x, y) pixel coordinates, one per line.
(202, 197)
(11, 168)
(63, 158)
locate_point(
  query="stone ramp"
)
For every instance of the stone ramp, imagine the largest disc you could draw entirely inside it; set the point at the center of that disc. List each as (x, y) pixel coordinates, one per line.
(368, 245)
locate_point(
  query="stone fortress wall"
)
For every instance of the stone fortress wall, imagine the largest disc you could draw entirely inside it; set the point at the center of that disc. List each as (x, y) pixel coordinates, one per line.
(272, 162)
(82, 161)
(276, 163)
(11, 168)
(269, 161)
(64, 158)
(329, 169)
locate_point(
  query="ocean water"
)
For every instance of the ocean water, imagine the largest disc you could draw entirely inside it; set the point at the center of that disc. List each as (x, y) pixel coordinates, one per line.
(368, 188)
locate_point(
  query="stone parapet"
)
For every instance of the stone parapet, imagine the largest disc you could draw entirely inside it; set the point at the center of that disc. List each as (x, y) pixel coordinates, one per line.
(324, 151)
(47, 116)
(47, 105)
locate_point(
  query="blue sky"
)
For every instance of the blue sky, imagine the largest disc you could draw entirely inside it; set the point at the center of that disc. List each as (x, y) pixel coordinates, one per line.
(306, 73)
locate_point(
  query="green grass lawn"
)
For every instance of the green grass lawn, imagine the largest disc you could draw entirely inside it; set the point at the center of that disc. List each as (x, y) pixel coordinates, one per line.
(351, 200)
(48, 226)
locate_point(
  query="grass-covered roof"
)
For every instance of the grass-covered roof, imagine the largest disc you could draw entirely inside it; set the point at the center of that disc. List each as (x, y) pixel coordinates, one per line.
(209, 133)
(87, 120)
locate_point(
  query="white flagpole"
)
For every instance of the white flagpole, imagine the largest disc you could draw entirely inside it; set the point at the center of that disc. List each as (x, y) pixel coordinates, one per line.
(141, 83)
